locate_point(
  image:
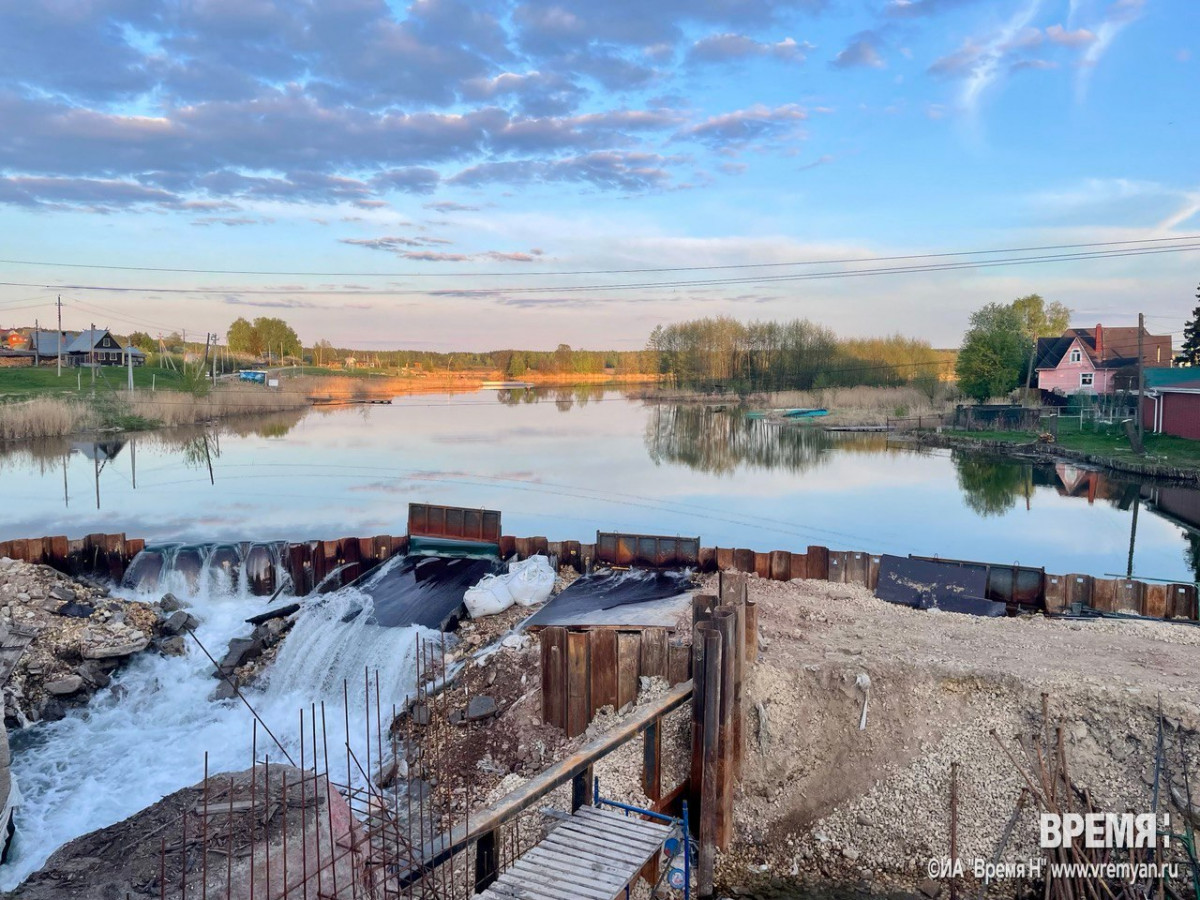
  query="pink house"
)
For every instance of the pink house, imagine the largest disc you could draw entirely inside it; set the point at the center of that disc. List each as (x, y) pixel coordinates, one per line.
(1097, 360)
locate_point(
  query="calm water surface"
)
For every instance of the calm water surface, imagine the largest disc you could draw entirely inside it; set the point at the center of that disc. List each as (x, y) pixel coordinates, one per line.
(563, 463)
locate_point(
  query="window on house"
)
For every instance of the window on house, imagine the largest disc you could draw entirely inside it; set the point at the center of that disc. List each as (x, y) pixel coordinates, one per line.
(1076, 355)
(1086, 379)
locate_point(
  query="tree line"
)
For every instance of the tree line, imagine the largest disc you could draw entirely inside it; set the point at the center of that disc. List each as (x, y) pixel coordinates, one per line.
(722, 354)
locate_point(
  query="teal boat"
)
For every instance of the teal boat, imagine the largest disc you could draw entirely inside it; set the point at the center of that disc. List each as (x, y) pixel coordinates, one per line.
(786, 413)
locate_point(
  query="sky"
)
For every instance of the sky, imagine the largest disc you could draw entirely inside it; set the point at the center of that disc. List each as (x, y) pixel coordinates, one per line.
(475, 175)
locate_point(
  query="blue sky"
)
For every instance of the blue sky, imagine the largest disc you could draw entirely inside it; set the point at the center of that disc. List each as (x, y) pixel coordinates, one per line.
(444, 157)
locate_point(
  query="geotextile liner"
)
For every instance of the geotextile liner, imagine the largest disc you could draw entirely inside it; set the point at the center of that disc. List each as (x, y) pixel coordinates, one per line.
(590, 595)
(424, 590)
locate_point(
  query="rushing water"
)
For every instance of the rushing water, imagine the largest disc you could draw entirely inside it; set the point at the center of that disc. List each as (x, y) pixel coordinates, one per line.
(563, 463)
(145, 736)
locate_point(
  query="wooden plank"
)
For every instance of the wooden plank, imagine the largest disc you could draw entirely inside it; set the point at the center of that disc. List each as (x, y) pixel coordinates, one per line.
(603, 665)
(631, 824)
(629, 652)
(554, 676)
(578, 687)
(654, 653)
(551, 883)
(571, 841)
(609, 836)
(598, 867)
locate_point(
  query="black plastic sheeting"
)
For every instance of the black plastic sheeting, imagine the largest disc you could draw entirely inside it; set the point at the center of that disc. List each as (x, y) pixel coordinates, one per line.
(424, 590)
(608, 589)
(923, 584)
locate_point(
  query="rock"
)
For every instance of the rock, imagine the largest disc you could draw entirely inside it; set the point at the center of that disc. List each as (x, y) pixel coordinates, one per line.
(225, 690)
(420, 714)
(174, 646)
(53, 710)
(241, 651)
(481, 707)
(170, 603)
(93, 674)
(850, 853)
(61, 687)
(75, 610)
(119, 649)
(58, 592)
(930, 888)
(643, 683)
(455, 717)
(180, 621)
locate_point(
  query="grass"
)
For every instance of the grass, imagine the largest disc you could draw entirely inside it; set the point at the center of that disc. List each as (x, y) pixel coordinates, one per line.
(19, 383)
(1103, 440)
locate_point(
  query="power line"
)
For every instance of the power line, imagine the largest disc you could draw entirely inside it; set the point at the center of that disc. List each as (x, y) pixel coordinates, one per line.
(653, 285)
(809, 262)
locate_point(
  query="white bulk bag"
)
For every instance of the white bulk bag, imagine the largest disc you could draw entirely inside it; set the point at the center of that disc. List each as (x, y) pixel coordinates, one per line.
(531, 580)
(489, 597)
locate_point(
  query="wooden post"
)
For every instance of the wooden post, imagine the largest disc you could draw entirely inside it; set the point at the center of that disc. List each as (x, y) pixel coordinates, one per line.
(725, 618)
(578, 688)
(710, 744)
(554, 676)
(603, 666)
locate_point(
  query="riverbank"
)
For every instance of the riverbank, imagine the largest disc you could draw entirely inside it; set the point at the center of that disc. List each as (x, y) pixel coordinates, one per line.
(1167, 458)
(848, 407)
(869, 806)
(55, 412)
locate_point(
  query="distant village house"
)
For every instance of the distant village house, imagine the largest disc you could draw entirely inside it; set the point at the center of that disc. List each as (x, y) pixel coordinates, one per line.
(77, 348)
(1098, 360)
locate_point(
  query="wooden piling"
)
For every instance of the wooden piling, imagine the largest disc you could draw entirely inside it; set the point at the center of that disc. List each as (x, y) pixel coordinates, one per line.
(628, 662)
(554, 676)
(725, 618)
(710, 753)
(578, 687)
(603, 666)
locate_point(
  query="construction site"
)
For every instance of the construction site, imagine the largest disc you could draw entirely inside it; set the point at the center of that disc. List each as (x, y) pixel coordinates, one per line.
(456, 712)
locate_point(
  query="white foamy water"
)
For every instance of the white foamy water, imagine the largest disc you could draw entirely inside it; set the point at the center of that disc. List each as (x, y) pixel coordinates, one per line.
(145, 735)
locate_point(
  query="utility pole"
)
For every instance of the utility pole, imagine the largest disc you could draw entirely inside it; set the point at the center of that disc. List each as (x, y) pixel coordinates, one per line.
(1141, 375)
(58, 338)
(37, 328)
(92, 359)
(129, 365)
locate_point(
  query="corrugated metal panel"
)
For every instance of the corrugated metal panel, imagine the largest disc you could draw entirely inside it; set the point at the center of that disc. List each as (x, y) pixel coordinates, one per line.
(427, 520)
(619, 549)
(1017, 585)
(1181, 415)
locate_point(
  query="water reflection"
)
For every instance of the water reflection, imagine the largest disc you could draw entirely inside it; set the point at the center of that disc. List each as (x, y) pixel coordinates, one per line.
(721, 442)
(992, 486)
(564, 397)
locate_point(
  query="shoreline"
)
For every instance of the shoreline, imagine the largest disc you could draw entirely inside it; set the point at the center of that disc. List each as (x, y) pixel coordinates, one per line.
(1056, 453)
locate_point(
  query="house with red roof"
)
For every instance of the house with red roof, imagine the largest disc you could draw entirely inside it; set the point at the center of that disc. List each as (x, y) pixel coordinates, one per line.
(1098, 360)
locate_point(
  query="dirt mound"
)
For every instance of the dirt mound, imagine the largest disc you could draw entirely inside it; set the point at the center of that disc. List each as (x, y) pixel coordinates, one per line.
(823, 795)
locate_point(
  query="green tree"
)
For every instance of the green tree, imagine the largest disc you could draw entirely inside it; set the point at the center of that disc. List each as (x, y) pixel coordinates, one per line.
(277, 336)
(1189, 353)
(143, 341)
(243, 338)
(1039, 319)
(993, 353)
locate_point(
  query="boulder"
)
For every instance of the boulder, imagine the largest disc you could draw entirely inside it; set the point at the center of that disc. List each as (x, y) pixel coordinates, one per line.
(58, 592)
(73, 610)
(240, 652)
(170, 603)
(124, 647)
(93, 673)
(174, 646)
(61, 687)
(179, 621)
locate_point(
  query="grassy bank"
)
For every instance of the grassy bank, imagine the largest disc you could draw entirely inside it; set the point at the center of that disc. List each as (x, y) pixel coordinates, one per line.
(22, 383)
(57, 415)
(1166, 456)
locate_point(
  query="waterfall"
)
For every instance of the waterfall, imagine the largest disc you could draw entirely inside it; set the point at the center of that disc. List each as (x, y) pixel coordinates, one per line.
(145, 735)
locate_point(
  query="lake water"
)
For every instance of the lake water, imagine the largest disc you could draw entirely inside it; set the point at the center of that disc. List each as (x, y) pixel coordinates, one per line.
(566, 462)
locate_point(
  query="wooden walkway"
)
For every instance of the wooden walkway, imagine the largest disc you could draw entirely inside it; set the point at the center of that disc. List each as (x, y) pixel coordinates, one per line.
(594, 855)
